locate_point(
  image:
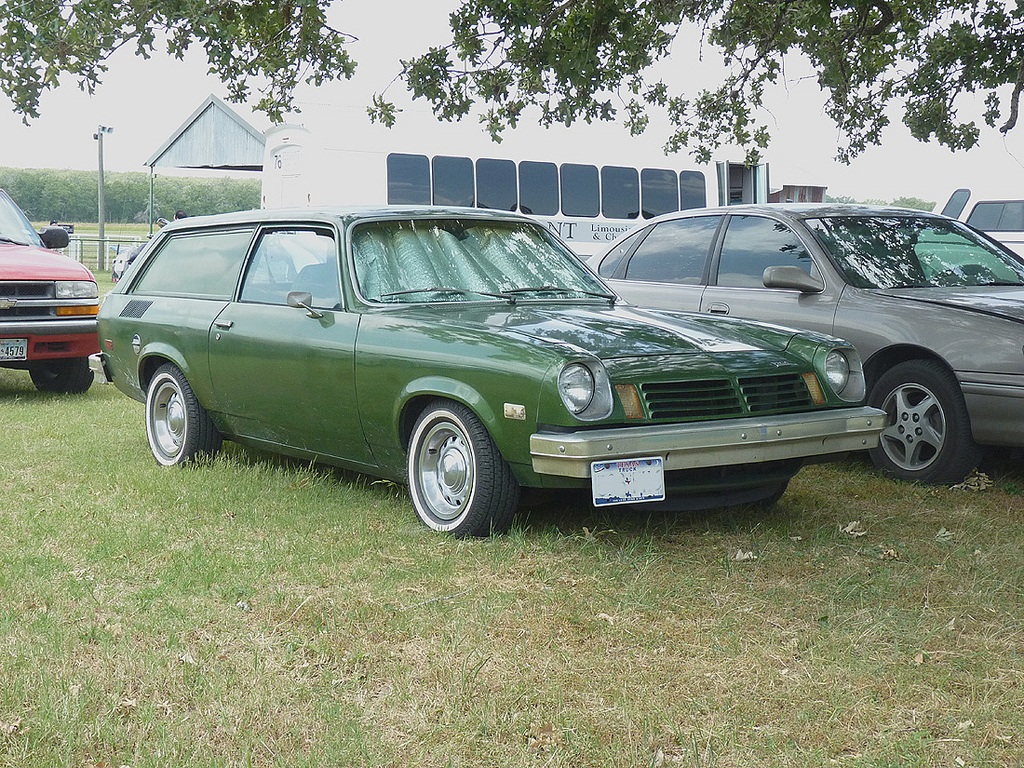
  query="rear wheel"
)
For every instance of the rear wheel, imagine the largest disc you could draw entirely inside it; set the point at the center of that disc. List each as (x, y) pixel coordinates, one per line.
(178, 428)
(458, 480)
(67, 375)
(928, 438)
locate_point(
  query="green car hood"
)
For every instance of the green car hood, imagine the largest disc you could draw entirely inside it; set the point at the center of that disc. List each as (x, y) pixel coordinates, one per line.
(623, 332)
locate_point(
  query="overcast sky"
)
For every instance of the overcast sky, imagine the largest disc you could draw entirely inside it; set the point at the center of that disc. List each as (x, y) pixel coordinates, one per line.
(146, 101)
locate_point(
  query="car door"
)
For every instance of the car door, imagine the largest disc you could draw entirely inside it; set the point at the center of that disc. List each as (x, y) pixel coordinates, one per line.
(749, 245)
(668, 268)
(286, 374)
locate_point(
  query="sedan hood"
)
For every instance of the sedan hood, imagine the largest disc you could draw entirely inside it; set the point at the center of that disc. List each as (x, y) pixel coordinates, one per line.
(624, 331)
(1001, 301)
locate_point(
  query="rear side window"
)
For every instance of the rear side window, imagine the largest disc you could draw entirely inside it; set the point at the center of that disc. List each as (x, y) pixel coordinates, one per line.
(675, 251)
(1005, 216)
(752, 244)
(199, 264)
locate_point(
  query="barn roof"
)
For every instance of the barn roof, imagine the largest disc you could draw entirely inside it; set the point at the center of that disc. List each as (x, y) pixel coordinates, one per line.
(212, 137)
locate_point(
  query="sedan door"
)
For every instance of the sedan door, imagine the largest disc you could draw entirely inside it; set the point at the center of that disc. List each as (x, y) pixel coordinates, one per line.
(749, 246)
(668, 268)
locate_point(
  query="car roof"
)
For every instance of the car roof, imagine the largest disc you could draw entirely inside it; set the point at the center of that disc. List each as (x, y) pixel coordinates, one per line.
(801, 211)
(345, 214)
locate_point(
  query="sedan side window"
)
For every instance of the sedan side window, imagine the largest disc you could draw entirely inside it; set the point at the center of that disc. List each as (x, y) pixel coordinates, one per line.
(675, 251)
(752, 244)
(293, 260)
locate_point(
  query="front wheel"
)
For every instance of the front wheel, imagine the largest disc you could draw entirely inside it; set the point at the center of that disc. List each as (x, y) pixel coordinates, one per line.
(178, 428)
(928, 438)
(70, 375)
(458, 480)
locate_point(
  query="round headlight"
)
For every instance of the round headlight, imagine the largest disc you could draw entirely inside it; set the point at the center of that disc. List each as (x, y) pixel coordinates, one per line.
(576, 386)
(837, 371)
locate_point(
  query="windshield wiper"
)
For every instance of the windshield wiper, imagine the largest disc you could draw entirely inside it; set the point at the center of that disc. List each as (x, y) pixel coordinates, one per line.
(441, 289)
(558, 289)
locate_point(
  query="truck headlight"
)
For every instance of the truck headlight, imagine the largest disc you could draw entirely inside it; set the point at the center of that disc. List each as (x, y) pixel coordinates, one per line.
(76, 289)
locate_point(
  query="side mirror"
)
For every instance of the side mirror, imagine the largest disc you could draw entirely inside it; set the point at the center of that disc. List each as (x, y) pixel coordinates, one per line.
(54, 238)
(792, 278)
(302, 300)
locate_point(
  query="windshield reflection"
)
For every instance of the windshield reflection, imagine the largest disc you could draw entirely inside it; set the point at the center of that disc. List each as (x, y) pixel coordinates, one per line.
(913, 252)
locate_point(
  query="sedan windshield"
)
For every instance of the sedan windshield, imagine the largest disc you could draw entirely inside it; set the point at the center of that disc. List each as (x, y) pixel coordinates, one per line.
(14, 227)
(428, 260)
(914, 252)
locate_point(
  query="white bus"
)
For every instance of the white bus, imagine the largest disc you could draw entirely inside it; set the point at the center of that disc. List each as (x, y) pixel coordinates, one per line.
(999, 215)
(588, 204)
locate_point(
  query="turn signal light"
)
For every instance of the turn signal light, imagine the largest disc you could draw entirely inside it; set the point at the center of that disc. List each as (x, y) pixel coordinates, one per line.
(814, 388)
(630, 400)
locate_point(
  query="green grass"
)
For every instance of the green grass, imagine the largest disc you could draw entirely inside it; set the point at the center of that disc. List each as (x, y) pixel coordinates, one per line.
(263, 612)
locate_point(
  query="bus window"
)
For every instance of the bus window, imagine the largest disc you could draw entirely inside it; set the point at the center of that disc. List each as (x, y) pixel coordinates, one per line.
(693, 191)
(408, 179)
(620, 192)
(659, 192)
(496, 184)
(453, 181)
(538, 188)
(580, 192)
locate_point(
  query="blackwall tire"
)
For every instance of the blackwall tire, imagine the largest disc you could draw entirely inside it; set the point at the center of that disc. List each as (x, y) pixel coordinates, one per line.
(928, 438)
(64, 375)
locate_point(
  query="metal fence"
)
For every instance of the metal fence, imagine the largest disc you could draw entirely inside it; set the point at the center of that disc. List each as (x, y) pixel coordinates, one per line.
(86, 249)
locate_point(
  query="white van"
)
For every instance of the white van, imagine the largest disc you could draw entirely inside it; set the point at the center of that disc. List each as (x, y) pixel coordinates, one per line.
(1000, 217)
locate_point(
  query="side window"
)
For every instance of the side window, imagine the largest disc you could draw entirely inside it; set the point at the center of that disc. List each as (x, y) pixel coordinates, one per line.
(199, 264)
(659, 192)
(620, 192)
(1005, 216)
(609, 265)
(293, 260)
(453, 181)
(496, 184)
(538, 188)
(752, 244)
(580, 190)
(693, 190)
(675, 251)
(408, 179)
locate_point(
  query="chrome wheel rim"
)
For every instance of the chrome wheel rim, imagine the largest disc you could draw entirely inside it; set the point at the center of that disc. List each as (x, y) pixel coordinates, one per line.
(168, 421)
(445, 471)
(917, 427)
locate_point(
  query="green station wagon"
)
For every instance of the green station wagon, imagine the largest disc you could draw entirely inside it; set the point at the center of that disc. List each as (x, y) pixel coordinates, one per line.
(469, 354)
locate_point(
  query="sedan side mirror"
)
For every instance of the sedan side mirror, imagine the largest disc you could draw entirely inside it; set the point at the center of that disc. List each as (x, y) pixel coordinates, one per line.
(54, 238)
(792, 278)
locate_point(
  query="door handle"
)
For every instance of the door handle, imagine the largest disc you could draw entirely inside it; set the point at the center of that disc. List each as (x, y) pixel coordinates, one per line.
(225, 324)
(718, 308)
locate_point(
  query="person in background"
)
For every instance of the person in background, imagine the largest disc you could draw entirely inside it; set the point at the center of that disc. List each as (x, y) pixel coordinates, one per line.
(179, 215)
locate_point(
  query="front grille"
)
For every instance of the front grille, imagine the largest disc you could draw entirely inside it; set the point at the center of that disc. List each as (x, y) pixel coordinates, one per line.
(721, 398)
(775, 393)
(691, 399)
(21, 292)
(26, 290)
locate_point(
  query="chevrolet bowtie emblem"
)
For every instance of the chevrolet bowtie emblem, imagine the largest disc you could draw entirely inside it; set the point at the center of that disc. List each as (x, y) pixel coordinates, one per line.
(7, 303)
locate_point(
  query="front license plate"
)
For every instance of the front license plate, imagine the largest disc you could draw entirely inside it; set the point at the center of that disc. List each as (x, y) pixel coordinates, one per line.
(627, 481)
(13, 349)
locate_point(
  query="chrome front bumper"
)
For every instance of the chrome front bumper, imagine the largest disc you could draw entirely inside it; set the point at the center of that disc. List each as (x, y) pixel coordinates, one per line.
(711, 443)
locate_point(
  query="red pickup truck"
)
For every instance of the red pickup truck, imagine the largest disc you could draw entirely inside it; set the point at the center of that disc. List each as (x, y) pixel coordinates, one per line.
(48, 305)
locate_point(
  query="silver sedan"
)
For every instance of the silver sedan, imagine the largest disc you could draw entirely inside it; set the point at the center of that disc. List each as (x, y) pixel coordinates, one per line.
(935, 308)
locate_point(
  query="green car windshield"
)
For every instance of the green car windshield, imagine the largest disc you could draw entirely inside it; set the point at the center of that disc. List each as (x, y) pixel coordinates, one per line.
(429, 260)
(914, 252)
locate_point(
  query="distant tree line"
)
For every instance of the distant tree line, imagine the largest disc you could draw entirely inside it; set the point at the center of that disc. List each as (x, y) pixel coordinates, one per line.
(71, 196)
(900, 202)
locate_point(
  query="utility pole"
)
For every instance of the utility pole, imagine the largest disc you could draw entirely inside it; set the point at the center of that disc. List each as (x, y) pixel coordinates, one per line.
(101, 256)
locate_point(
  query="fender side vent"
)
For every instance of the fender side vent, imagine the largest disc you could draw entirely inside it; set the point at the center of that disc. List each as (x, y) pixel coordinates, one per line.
(135, 308)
